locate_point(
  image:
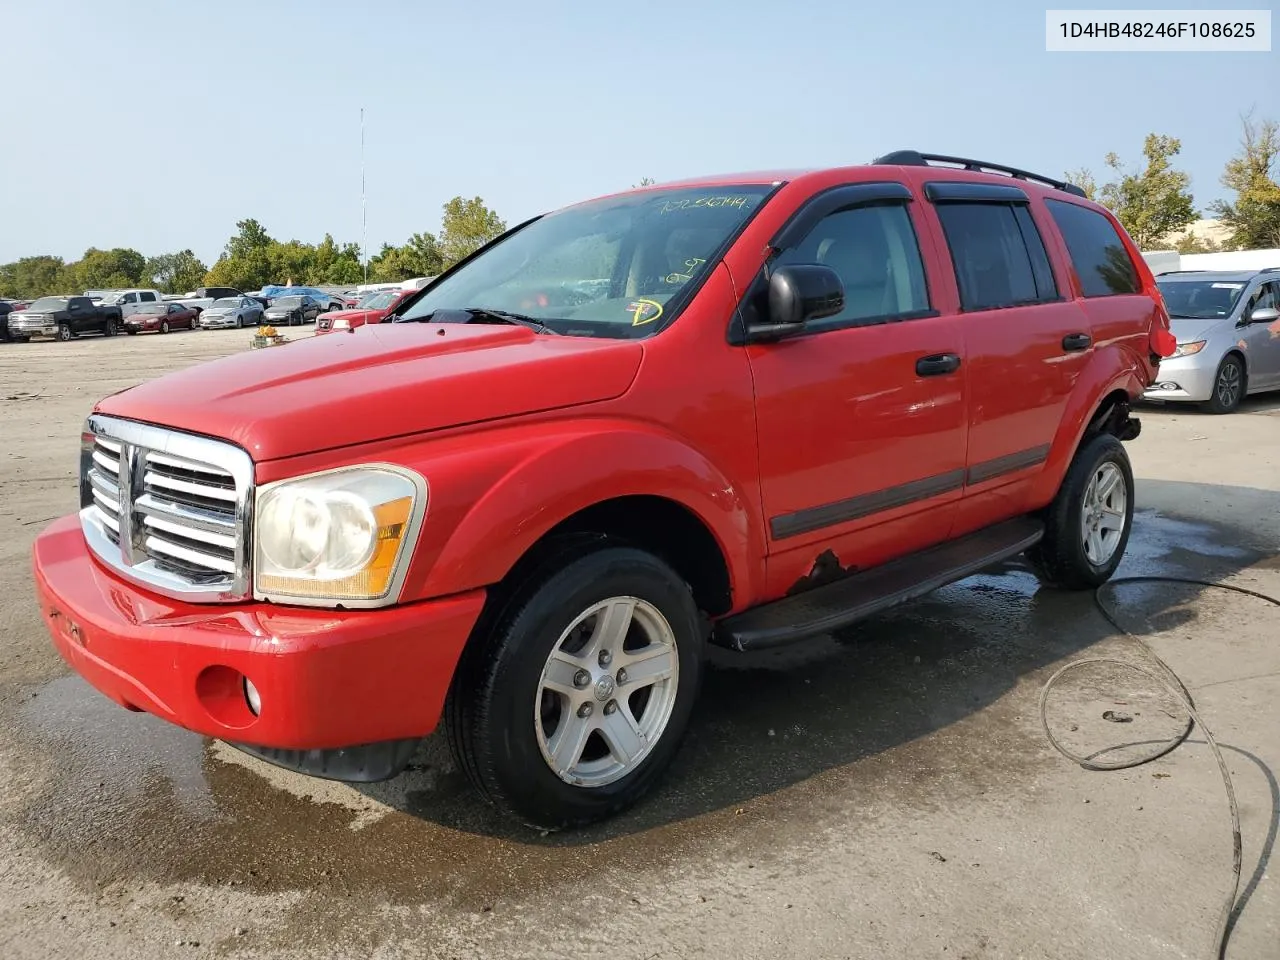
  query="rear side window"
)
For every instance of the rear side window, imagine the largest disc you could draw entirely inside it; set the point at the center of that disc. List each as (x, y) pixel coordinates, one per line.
(148, 297)
(999, 257)
(1097, 252)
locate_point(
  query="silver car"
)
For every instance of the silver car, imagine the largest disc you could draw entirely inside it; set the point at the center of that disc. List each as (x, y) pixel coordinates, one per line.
(231, 312)
(1227, 324)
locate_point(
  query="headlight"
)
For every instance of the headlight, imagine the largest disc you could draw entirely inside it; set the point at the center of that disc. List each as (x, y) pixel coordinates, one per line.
(1187, 349)
(342, 537)
(341, 323)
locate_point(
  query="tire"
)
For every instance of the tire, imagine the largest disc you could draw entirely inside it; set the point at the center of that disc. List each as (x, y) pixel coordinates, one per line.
(1228, 386)
(164, 326)
(239, 321)
(65, 332)
(131, 332)
(110, 329)
(1067, 557)
(504, 724)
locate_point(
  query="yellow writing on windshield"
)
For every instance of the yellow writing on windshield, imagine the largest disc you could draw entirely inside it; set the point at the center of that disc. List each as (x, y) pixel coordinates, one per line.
(690, 265)
(644, 311)
(710, 202)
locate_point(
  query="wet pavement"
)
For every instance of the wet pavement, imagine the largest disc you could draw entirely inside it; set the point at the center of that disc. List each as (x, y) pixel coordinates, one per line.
(884, 792)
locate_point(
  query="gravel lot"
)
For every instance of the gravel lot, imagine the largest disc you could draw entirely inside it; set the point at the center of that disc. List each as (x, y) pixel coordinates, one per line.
(883, 794)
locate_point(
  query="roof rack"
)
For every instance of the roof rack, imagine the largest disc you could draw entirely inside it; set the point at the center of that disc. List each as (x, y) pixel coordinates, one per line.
(914, 158)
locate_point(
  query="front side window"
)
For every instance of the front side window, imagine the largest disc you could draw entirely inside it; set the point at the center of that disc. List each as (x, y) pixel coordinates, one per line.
(1096, 250)
(999, 258)
(874, 251)
(619, 267)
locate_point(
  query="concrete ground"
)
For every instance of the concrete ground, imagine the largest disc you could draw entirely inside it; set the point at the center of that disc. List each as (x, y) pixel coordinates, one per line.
(888, 793)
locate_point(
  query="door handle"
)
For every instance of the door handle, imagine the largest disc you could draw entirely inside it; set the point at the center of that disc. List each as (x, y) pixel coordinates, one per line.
(937, 365)
(1076, 341)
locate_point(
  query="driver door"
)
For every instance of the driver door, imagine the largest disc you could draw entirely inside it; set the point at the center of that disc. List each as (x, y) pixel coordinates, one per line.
(861, 418)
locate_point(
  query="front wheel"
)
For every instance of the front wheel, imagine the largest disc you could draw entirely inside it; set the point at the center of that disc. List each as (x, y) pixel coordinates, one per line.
(164, 326)
(571, 703)
(1228, 386)
(1087, 525)
(65, 332)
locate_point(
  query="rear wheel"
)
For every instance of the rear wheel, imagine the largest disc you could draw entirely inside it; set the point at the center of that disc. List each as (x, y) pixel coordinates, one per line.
(1228, 386)
(110, 329)
(572, 699)
(1087, 525)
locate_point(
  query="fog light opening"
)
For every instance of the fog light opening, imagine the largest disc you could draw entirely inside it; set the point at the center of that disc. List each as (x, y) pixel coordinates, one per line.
(252, 697)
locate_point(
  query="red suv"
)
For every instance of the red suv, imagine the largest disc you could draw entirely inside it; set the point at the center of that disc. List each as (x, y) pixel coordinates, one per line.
(742, 411)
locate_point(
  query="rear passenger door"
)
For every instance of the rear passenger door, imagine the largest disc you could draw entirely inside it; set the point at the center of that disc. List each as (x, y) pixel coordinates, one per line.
(1027, 342)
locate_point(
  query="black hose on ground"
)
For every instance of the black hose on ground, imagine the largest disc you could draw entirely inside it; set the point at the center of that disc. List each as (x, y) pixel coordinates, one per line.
(1170, 681)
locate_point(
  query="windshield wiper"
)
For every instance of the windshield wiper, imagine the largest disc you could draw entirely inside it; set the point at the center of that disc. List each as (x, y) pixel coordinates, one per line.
(506, 316)
(482, 314)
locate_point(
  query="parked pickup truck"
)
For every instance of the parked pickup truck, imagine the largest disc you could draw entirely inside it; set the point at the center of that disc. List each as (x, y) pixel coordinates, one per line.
(202, 298)
(64, 317)
(522, 505)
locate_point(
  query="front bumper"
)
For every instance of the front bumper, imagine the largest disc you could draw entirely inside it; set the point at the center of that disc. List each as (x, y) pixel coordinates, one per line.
(22, 327)
(211, 323)
(1184, 378)
(344, 694)
(141, 326)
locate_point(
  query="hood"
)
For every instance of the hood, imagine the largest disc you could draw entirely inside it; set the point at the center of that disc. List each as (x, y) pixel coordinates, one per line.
(1186, 330)
(385, 380)
(362, 315)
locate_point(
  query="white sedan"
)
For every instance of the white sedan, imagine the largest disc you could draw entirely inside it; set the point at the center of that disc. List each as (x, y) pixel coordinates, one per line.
(231, 312)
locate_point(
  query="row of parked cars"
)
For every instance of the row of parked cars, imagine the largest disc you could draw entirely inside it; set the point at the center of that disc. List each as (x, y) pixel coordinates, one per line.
(134, 311)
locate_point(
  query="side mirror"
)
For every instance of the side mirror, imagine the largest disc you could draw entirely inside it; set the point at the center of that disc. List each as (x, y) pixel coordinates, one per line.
(1264, 315)
(797, 294)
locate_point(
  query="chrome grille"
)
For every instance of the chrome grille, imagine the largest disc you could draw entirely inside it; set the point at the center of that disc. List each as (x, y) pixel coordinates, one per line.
(169, 510)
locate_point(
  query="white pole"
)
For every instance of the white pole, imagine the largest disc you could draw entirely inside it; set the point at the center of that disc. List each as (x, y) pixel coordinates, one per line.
(364, 210)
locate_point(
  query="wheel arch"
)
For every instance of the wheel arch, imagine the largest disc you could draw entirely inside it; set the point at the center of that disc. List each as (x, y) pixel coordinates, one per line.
(1101, 402)
(637, 485)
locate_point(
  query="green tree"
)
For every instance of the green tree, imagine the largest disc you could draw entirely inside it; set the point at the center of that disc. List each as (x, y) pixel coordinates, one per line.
(32, 277)
(106, 269)
(176, 272)
(1154, 202)
(250, 236)
(467, 226)
(1083, 178)
(1254, 217)
(644, 182)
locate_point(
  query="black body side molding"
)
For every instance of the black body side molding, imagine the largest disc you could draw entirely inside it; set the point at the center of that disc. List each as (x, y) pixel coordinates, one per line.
(839, 604)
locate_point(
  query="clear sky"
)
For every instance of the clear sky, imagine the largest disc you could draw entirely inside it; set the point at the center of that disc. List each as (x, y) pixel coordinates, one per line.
(157, 124)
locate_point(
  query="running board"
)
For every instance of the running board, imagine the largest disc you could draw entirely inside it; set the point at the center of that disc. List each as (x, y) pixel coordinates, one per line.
(865, 594)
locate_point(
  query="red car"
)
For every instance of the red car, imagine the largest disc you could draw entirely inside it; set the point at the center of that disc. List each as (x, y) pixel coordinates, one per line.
(372, 309)
(161, 318)
(744, 411)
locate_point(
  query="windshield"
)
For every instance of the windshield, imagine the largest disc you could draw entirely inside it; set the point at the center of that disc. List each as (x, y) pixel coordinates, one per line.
(287, 302)
(376, 301)
(1201, 299)
(225, 303)
(153, 308)
(49, 303)
(607, 268)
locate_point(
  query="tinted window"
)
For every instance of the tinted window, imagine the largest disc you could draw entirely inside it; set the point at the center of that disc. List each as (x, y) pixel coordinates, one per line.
(875, 252)
(148, 297)
(996, 263)
(1097, 252)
